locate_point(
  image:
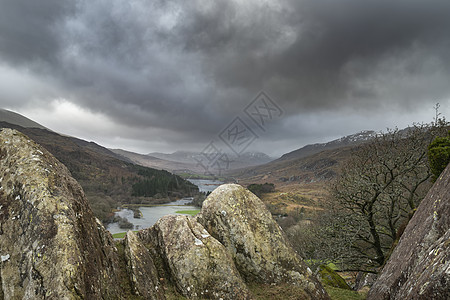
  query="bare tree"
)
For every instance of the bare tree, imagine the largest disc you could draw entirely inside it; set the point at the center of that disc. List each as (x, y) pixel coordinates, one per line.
(377, 192)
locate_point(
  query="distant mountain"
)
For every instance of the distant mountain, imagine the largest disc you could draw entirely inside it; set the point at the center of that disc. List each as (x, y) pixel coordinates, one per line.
(314, 168)
(248, 158)
(348, 140)
(188, 162)
(157, 163)
(17, 119)
(309, 164)
(177, 156)
(108, 179)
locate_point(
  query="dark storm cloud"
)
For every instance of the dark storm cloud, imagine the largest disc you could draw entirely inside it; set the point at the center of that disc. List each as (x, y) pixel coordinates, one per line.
(28, 29)
(191, 66)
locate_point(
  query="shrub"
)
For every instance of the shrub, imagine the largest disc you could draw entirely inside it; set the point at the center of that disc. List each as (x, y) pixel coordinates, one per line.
(259, 189)
(439, 155)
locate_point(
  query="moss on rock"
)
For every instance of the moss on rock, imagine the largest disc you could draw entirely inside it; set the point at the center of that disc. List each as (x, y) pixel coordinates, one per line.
(329, 277)
(261, 252)
(197, 263)
(51, 244)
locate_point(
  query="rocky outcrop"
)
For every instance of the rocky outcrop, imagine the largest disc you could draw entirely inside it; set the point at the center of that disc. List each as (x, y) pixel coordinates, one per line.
(141, 269)
(260, 250)
(51, 245)
(198, 264)
(419, 267)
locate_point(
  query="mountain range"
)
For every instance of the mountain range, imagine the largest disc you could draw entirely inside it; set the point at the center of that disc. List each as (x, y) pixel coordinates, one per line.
(107, 178)
(107, 174)
(187, 162)
(309, 164)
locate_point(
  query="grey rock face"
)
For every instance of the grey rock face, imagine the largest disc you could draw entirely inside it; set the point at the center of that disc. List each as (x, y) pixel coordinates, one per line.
(198, 264)
(142, 271)
(419, 267)
(261, 252)
(51, 245)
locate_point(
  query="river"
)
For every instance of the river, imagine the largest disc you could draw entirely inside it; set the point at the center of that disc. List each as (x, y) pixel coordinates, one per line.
(205, 185)
(151, 214)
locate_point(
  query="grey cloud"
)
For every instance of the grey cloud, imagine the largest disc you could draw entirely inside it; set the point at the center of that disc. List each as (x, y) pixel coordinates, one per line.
(28, 29)
(189, 67)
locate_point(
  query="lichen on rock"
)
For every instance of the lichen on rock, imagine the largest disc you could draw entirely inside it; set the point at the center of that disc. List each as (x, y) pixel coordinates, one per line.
(54, 247)
(198, 264)
(241, 222)
(141, 269)
(419, 267)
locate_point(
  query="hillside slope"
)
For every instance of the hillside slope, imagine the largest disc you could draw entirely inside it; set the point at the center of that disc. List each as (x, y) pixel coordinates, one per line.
(52, 247)
(107, 180)
(17, 119)
(349, 140)
(314, 168)
(182, 162)
(309, 164)
(158, 163)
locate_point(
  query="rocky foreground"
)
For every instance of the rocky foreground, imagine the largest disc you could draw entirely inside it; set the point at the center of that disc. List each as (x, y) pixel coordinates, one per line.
(52, 247)
(419, 267)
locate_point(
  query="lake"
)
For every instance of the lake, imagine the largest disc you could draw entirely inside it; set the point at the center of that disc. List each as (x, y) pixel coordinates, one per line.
(151, 214)
(205, 185)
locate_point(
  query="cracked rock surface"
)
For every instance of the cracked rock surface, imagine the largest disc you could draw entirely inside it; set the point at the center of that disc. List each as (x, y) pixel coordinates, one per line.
(51, 245)
(419, 267)
(198, 264)
(142, 270)
(241, 222)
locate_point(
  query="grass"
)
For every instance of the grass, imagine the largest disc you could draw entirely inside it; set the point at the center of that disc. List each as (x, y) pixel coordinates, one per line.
(188, 212)
(277, 292)
(342, 294)
(121, 235)
(312, 262)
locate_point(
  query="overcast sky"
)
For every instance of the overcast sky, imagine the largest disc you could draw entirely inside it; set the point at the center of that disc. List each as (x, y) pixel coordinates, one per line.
(172, 75)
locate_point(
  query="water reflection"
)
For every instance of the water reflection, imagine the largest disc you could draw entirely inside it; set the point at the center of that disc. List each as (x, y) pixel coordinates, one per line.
(152, 214)
(149, 215)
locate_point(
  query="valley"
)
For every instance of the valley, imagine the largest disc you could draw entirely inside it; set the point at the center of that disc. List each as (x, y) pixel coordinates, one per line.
(225, 150)
(298, 189)
(109, 180)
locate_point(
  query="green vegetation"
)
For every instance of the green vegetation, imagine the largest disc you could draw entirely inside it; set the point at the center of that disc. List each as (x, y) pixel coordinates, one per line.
(160, 182)
(377, 191)
(188, 212)
(109, 182)
(121, 235)
(186, 175)
(343, 294)
(379, 187)
(259, 189)
(332, 278)
(439, 155)
(277, 292)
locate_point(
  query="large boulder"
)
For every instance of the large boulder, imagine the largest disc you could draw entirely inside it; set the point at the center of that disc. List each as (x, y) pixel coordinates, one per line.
(260, 250)
(419, 267)
(198, 264)
(51, 245)
(141, 269)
